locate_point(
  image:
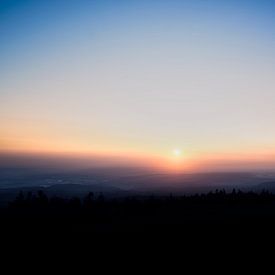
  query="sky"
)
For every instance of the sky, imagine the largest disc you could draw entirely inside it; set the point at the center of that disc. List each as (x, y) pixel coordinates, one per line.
(183, 81)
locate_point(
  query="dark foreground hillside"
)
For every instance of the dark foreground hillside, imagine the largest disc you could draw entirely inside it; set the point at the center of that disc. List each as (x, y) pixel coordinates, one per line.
(234, 213)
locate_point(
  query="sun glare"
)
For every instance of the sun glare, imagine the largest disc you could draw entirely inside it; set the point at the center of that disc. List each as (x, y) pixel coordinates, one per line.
(177, 152)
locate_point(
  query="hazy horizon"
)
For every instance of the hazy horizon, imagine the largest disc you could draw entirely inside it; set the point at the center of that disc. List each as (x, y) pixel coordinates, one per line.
(73, 162)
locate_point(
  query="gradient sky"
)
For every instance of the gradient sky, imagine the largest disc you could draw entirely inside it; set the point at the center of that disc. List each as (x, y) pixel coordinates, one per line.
(139, 78)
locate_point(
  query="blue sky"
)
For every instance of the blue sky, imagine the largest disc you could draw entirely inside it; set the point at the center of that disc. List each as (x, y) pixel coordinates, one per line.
(38, 26)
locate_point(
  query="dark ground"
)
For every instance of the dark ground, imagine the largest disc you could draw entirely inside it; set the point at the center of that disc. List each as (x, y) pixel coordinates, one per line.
(230, 214)
(218, 227)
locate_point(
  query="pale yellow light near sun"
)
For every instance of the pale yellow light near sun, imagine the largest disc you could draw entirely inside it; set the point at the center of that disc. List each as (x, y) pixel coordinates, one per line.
(177, 152)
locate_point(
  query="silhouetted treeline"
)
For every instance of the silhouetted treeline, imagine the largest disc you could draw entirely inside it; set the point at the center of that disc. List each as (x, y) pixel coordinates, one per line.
(40, 200)
(37, 212)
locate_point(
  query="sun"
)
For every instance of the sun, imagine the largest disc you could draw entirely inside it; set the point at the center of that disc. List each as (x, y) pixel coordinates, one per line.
(177, 152)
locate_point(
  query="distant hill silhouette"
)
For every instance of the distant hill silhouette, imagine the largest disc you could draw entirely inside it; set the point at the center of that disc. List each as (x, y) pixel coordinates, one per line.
(269, 185)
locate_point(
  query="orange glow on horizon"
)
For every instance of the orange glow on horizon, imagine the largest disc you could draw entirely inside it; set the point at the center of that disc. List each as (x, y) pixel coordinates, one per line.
(168, 161)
